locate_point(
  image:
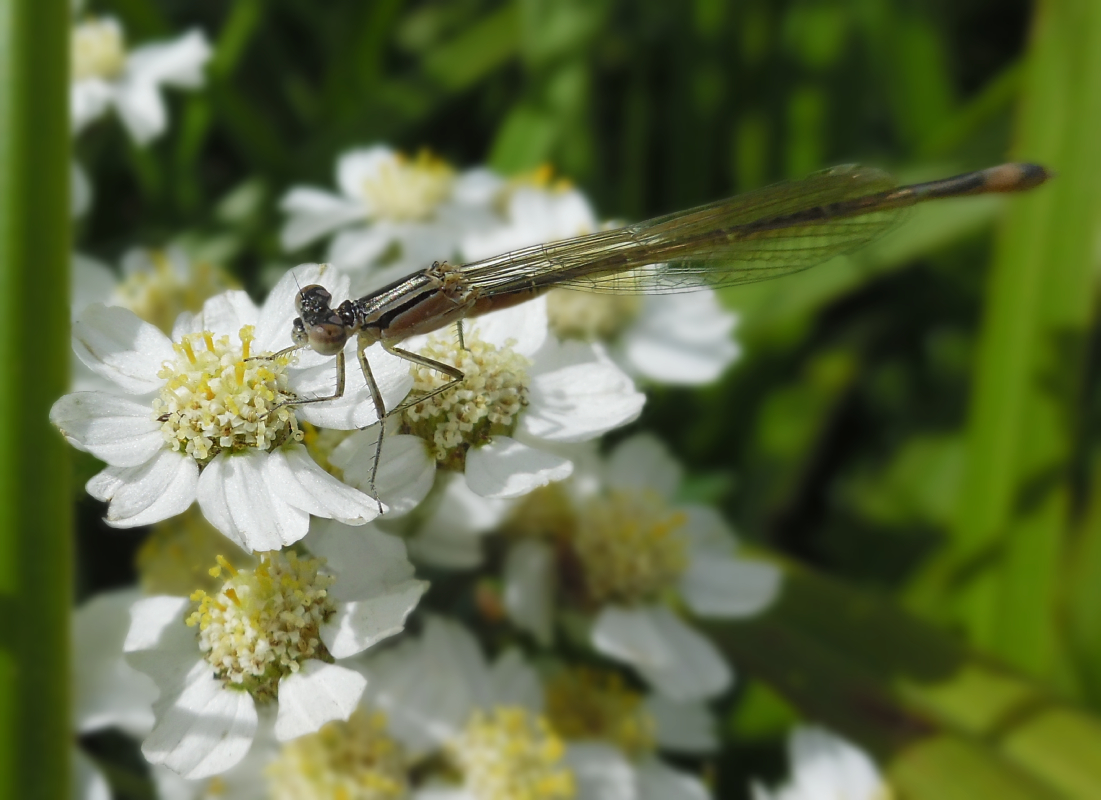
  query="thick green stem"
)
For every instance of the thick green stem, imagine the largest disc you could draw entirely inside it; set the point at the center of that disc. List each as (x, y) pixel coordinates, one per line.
(35, 541)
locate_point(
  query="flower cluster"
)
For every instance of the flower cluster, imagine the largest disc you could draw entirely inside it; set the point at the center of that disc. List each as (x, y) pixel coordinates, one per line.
(286, 503)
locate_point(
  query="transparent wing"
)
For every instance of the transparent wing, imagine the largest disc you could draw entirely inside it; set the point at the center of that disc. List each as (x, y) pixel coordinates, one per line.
(754, 236)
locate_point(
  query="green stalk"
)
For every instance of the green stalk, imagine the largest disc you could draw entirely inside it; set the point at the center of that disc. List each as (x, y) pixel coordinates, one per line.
(1002, 571)
(35, 540)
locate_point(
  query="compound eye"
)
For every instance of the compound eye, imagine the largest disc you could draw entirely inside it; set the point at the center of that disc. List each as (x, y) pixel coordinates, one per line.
(327, 339)
(313, 299)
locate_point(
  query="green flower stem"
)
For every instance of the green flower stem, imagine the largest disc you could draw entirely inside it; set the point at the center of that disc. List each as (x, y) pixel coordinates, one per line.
(35, 539)
(945, 722)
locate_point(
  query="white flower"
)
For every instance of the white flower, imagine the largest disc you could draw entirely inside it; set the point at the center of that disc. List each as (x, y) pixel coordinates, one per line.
(826, 767)
(440, 694)
(629, 548)
(192, 418)
(418, 204)
(104, 74)
(273, 635)
(80, 191)
(524, 396)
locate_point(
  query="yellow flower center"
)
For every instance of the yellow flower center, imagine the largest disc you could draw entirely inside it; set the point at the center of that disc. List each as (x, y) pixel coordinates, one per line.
(595, 704)
(590, 316)
(405, 190)
(629, 547)
(97, 50)
(545, 513)
(353, 760)
(215, 399)
(263, 623)
(173, 558)
(486, 403)
(511, 754)
(160, 294)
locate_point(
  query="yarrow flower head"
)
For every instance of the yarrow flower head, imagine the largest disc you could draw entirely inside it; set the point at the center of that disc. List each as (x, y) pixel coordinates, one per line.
(105, 73)
(629, 551)
(269, 636)
(391, 207)
(523, 396)
(206, 419)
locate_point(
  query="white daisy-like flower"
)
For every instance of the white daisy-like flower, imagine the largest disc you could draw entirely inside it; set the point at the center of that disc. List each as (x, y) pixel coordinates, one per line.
(629, 550)
(353, 759)
(826, 767)
(195, 417)
(671, 338)
(106, 74)
(272, 636)
(418, 205)
(524, 396)
(440, 695)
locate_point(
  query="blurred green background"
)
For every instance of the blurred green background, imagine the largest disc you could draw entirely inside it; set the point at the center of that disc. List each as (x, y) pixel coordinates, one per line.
(919, 421)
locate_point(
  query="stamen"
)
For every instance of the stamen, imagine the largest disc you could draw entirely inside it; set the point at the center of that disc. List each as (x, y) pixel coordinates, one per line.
(587, 703)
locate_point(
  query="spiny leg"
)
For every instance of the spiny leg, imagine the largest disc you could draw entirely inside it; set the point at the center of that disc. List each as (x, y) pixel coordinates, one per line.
(454, 373)
(459, 330)
(339, 389)
(380, 411)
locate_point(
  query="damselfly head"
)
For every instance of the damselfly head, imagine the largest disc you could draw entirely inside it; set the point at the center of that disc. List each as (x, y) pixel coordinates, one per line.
(319, 326)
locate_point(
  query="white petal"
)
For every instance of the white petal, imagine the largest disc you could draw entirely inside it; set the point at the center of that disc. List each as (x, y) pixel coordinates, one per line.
(88, 783)
(273, 329)
(451, 536)
(91, 281)
(360, 246)
(141, 109)
(672, 657)
(507, 468)
(825, 765)
(160, 488)
(357, 166)
(514, 682)
(644, 463)
(315, 213)
(656, 781)
(114, 429)
(729, 587)
(682, 727)
(355, 409)
(365, 560)
(114, 343)
(107, 691)
(203, 730)
(578, 394)
(301, 482)
(235, 499)
(159, 643)
(682, 338)
(359, 624)
(227, 313)
(601, 772)
(525, 325)
(529, 576)
(176, 63)
(316, 694)
(88, 100)
(406, 470)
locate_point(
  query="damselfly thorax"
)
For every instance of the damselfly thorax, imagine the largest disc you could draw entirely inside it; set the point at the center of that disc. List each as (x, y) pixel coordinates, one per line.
(759, 235)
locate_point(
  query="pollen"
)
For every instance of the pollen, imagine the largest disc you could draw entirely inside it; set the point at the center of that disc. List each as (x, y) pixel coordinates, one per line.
(585, 704)
(630, 546)
(160, 294)
(264, 623)
(511, 754)
(214, 399)
(353, 760)
(173, 559)
(409, 190)
(485, 404)
(589, 316)
(97, 50)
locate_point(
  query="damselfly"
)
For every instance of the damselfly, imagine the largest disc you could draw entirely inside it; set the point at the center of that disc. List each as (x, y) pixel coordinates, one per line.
(755, 236)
